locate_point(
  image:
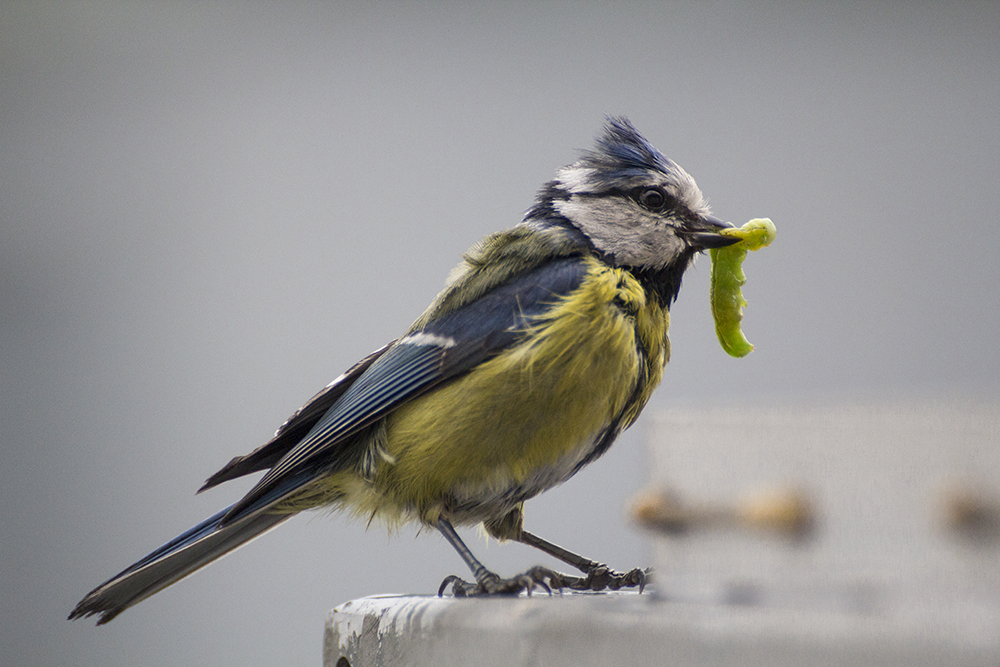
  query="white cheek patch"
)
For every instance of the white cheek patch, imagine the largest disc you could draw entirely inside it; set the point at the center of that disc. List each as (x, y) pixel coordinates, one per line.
(633, 237)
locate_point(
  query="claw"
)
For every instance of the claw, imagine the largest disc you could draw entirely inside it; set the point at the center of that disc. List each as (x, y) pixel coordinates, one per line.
(491, 584)
(645, 577)
(451, 579)
(602, 577)
(599, 578)
(538, 576)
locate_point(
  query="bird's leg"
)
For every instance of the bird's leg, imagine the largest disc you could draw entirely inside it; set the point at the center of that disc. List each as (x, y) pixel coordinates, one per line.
(487, 583)
(599, 576)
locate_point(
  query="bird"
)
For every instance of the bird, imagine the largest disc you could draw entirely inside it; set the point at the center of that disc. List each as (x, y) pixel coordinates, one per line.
(545, 343)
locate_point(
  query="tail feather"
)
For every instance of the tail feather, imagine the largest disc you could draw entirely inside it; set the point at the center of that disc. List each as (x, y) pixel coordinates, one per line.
(188, 552)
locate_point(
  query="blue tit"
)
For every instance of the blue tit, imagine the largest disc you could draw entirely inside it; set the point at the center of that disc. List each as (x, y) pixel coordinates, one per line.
(544, 345)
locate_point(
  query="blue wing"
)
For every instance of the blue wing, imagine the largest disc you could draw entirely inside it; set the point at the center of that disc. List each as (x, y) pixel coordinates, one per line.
(416, 363)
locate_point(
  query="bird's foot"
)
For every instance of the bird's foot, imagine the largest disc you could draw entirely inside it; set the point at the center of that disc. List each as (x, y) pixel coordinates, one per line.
(488, 583)
(601, 577)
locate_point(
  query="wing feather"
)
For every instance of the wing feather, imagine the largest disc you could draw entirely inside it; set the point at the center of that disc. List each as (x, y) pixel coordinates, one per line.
(414, 364)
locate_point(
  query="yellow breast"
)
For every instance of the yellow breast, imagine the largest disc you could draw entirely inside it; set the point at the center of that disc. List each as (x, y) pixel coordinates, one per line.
(522, 421)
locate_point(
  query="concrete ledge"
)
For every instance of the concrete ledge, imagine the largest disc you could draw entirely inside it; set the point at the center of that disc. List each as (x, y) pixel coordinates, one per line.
(899, 565)
(625, 628)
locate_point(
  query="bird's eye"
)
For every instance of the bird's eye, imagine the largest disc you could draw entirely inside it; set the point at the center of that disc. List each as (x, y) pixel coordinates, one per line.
(653, 198)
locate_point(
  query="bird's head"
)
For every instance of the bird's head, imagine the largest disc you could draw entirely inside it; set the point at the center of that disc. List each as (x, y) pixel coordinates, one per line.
(638, 208)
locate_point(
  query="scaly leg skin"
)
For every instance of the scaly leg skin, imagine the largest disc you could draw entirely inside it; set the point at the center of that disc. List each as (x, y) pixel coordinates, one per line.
(488, 583)
(599, 576)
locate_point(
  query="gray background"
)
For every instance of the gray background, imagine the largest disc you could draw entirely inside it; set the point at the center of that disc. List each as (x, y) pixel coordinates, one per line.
(207, 211)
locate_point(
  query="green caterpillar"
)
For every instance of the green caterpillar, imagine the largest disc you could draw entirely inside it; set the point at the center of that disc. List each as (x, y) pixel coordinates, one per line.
(728, 278)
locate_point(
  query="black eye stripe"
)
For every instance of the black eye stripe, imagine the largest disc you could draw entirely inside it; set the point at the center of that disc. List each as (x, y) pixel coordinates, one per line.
(642, 197)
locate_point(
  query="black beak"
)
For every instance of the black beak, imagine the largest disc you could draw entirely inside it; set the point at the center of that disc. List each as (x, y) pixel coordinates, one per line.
(704, 234)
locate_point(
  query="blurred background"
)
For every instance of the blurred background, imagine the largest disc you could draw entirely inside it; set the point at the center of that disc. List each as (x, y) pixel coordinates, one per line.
(209, 210)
